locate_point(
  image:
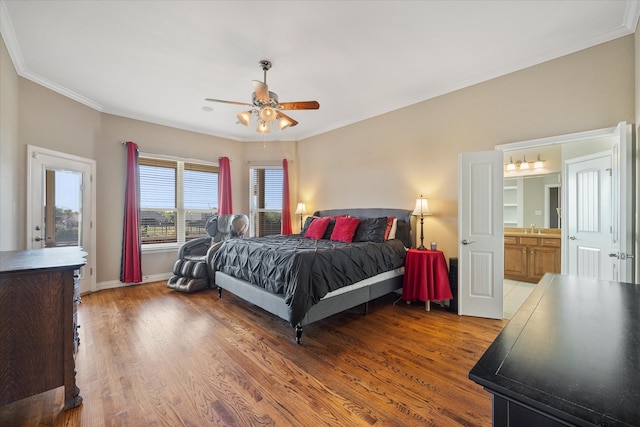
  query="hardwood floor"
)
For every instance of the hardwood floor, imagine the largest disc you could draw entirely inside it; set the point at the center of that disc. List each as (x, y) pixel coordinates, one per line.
(152, 356)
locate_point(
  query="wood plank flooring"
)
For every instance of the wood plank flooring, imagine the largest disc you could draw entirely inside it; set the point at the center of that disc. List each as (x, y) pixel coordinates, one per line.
(150, 356)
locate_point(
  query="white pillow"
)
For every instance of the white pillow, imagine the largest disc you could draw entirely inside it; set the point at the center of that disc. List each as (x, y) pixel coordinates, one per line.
(394, 227)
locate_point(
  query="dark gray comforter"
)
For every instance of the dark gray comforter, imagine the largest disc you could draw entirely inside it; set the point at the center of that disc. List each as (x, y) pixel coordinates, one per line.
(304, 270)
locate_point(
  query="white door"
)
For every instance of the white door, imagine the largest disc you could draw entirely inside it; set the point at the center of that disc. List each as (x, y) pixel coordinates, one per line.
(589, 217)
(622, 203)
(60, 205)
(481, 234)
(600, 203)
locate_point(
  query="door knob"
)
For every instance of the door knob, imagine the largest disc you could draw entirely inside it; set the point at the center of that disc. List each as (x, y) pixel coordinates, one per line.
(572, 237)
(614, 255)
(466, 242)
(37, 238)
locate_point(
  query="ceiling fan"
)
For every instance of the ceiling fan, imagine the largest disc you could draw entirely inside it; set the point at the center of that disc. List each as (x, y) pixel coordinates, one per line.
(266, 106)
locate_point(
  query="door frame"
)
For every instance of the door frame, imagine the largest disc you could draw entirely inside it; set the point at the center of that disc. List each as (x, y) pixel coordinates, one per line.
(89, 270)
(629, 170)
(547, 203)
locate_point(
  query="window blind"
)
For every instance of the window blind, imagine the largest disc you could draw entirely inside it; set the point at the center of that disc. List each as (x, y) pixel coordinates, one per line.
(267, 184)
(157, 184)
(200, 187)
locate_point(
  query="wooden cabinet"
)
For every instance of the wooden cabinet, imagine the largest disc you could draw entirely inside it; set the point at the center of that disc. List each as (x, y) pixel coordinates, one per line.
(528, 258)
(38, 322)
(515, 259)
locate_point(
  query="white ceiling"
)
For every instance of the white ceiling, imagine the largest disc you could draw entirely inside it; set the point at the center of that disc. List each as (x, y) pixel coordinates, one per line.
(157, 60)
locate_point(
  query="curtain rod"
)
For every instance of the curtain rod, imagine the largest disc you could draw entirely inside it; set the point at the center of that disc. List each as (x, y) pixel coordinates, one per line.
(264, 162)
(171, 157)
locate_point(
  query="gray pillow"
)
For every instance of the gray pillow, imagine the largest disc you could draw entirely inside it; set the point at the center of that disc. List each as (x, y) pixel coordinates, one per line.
(371, 230)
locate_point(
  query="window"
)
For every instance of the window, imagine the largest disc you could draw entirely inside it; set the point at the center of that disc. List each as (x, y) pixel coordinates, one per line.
(265, 206)
(176, 199)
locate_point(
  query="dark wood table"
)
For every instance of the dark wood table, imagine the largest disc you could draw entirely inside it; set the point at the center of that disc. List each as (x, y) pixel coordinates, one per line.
(426, 277)
(569, 356)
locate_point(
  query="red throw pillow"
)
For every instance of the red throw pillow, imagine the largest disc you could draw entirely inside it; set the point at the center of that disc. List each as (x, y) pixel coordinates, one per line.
(344, 229)
(317, 228)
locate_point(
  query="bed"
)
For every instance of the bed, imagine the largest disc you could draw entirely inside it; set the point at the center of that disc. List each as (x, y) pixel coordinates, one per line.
(303, 280)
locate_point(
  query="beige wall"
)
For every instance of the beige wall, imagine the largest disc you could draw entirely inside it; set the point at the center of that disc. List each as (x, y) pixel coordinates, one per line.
(111, 158)
(32, 114)
(386, 161)
(391, 159)
(11, 183)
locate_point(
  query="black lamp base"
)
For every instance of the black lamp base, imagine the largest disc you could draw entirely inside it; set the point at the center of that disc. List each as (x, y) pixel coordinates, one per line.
(421, 247)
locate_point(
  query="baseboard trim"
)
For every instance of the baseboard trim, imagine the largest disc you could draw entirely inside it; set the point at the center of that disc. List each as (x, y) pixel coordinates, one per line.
(112, 284)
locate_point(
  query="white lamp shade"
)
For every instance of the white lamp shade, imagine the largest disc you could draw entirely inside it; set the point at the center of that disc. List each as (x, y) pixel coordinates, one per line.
(301, 209)
(263, 128)
(284, 123)
(244, 117)
(422, 207)
(268, 114)
(538, 164)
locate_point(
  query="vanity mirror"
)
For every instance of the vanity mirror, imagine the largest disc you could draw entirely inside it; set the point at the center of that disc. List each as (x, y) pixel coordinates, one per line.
(533, 199)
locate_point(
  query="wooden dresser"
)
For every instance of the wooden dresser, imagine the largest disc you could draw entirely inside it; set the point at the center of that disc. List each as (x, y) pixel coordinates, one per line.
(38, 322)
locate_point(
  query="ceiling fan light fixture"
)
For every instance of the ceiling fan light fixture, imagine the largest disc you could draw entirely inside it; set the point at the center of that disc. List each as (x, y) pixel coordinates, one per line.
(268, 114)
(266, 106)
(263, 127)
(283, 122)
(244, 117)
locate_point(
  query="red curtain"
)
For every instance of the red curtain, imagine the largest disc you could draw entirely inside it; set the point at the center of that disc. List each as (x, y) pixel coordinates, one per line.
(131, 261)
(224, 187)
(286, 209)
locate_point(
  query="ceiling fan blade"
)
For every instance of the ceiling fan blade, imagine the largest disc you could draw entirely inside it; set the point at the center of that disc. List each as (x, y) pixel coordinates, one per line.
(293, 122)
(227, 102)
(262, 91)
(300, 105)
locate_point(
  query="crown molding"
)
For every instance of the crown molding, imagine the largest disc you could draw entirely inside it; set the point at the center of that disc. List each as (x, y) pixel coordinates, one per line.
(15, 53)
(631, 15)
(9, 36)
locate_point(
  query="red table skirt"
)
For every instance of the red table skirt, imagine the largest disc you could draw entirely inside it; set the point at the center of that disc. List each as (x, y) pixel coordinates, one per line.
(426, 277)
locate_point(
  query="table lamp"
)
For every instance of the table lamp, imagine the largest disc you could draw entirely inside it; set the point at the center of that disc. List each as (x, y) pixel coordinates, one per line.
(422, 209)
(301, 209)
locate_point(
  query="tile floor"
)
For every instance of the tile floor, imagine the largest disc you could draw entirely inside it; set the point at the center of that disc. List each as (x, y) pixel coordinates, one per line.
(514, 295)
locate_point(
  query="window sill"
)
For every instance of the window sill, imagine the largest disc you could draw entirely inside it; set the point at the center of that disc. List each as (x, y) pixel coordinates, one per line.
(160, 247)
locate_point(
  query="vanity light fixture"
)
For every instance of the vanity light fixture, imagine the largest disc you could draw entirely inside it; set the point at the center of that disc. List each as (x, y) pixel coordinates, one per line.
(524, 164)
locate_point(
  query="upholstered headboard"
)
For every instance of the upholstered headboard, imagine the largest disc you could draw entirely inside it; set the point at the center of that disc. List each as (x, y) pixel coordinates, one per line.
(400, 214)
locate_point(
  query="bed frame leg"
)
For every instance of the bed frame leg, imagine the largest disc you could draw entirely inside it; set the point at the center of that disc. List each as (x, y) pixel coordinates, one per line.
(219, 292)
(366, 308)
(298, 333)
